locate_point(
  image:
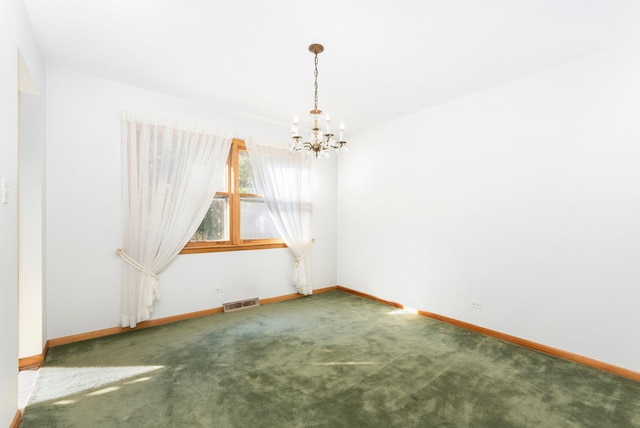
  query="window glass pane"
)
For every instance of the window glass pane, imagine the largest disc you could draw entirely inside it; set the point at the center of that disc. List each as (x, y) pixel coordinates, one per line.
(255, 221)
(245, 174)
(215, 226)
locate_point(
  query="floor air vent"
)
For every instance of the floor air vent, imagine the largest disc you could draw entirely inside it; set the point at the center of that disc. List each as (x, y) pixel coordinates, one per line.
(241, 304)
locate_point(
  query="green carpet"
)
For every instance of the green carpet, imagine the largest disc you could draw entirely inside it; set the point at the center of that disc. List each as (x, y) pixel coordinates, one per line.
(329, 360)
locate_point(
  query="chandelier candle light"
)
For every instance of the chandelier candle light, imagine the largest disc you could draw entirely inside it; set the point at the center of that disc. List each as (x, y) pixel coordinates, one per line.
(319, 141)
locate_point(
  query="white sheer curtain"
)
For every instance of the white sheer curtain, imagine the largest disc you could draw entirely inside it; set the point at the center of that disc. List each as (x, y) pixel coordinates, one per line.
(170, 176)
(285, 182)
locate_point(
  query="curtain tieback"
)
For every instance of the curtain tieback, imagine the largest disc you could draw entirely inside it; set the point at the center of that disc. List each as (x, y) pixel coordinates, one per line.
(299, 259)
(135, 264)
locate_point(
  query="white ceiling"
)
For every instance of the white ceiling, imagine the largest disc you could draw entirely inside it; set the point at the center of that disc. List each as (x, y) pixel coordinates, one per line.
(382, 59)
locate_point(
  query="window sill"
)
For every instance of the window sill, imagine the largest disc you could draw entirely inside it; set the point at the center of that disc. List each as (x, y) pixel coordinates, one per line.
(206, 247)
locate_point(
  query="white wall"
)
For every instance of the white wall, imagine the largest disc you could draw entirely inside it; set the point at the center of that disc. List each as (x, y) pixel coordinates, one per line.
(31, 152)
(523, 197)
(8, 214)
(84, 212)
(15, 36)
(31, 196)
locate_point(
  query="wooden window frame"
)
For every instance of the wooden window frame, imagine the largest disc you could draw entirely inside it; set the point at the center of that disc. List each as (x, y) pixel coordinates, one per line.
(234, 243)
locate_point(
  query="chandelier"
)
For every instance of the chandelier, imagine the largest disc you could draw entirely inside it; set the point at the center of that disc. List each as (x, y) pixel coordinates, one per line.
(320, 139)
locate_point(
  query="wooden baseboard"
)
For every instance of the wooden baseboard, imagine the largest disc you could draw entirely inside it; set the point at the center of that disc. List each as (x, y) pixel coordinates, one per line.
(326, 289)
(370, 297)
(37, 360)
(295, 295)
(586, 361)
(34, 361)
(15, 423)
(141, 326)
(160, 321)
(31, 362)
(619, 371)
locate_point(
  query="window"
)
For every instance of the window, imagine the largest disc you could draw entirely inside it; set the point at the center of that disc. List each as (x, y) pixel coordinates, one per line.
(238, 218)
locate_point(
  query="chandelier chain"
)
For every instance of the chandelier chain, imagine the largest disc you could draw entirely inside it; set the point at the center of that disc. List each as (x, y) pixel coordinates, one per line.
(315, 86)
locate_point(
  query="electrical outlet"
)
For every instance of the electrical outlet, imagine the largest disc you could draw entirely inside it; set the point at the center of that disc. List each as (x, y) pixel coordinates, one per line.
(476, 304)
(219, 290)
